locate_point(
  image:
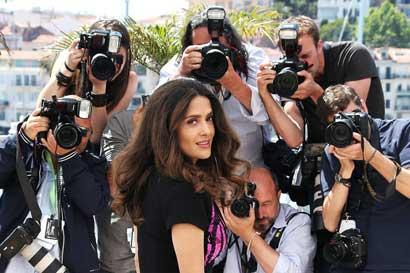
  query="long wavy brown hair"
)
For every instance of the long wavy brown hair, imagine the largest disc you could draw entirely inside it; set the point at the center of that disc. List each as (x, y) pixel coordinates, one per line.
(155, 147)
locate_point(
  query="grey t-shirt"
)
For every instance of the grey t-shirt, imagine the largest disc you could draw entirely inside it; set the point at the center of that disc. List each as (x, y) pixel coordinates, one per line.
(115, 252)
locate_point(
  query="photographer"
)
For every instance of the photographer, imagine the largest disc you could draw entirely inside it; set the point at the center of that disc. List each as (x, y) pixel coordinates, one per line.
(365, 176)
(69, 186)
(274, 238)
(109, 77)
(235, 84)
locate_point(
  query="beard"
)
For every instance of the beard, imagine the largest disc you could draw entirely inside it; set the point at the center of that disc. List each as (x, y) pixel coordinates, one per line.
(262, 225)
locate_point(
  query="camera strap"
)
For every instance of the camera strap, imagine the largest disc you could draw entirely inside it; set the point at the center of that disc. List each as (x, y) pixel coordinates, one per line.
(26, 186)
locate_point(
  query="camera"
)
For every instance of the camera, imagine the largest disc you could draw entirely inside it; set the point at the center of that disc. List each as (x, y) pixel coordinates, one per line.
(61, 113)
(286, 81)
(348, 249)
(21, 240)
(240, 207)
(340, 132)
(103, 49)
(214, 64)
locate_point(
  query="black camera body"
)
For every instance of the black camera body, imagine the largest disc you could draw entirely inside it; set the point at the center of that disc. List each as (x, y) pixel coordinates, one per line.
(348, 249)
(61, 113)
(103, 49)
(340, 132)
(240, 207)
(214, 64)
(286, 80)
(22, 235)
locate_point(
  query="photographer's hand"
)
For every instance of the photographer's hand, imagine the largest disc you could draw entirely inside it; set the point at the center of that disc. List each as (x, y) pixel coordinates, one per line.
(191, 60)
(73, 58)
(308, 88)
(265, 76)
(242, 227)
(346, 164)
(35, 124)
(99, 86)
(238, 88)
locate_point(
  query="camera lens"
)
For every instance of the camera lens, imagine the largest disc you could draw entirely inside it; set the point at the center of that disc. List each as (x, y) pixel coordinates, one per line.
(339, 133)
(335, 251)
(240, 207)
(286, 82)
(214, 64)
(102, 67)
(67, 135)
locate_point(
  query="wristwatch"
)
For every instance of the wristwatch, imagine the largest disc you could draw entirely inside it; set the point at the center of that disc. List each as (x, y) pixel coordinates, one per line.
(341, 180)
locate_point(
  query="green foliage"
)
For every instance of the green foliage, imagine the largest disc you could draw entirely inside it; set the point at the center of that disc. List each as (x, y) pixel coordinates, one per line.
(386, 26)
(153, 45)
(330, 31)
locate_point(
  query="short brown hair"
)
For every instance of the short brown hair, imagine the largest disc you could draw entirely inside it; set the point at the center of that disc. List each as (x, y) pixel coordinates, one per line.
(306, 26)
(335, 99)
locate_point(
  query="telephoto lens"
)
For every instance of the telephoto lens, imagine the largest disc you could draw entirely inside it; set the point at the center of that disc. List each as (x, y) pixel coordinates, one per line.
(41, 259)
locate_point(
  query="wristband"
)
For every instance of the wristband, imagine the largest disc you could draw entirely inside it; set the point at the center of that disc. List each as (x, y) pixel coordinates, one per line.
(398, 170)
(371, 157)
(62, 80)
(98, 100)
(68, 68)
(248, 249)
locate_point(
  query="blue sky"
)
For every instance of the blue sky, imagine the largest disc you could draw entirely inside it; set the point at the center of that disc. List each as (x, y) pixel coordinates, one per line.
(138, 9)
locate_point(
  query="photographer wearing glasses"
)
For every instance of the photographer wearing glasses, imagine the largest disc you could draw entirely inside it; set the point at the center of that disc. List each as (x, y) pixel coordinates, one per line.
(214, 53)
(52, 188)
(273, 237)
(366, 181)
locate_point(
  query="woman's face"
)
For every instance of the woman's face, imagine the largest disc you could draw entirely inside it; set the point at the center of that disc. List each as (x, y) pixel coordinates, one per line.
(196, 131)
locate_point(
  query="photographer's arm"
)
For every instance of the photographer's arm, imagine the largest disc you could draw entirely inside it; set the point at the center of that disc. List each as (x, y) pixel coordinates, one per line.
(283, 124)
(266, 257)
(70, 58)
(361, 87)
(336, 199)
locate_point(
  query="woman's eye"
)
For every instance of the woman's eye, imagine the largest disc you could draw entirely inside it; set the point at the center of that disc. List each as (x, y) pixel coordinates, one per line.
(210, 118)
(192, 121)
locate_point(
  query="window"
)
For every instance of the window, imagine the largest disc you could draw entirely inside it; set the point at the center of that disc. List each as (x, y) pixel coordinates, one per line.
(387, 104)
(18, 80)
(388, 72)
(387, 87)
(26, 80)
(33, 80)
(399, 87)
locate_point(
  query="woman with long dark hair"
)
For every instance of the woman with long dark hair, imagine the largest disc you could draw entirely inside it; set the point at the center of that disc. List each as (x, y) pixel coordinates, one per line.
(236, 89)
(174, 173)
(111, 95)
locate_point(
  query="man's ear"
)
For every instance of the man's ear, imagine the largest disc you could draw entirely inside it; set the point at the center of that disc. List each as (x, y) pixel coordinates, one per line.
(279, 193)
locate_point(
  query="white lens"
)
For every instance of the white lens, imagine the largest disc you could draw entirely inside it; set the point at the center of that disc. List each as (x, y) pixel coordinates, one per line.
(115, 42)
(85, 109)
(216, 14)
(288, 34)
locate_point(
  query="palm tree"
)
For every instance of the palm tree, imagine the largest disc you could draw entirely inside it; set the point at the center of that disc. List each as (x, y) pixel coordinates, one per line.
(153, 45)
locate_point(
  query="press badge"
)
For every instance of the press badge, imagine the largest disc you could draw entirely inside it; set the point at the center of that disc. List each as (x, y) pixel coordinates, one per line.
(347, 224)
(52, 229)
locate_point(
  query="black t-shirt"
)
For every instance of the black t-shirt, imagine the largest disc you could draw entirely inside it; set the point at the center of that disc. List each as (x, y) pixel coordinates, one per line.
(385, 224)
(345, 61)
(168, 202)
(351, 61)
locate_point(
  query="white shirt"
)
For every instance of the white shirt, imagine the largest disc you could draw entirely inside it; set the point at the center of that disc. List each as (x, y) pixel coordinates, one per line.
(246, 125)
(297, 246)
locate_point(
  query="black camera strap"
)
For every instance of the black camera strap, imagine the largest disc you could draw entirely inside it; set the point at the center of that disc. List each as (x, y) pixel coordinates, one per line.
(26, 186)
